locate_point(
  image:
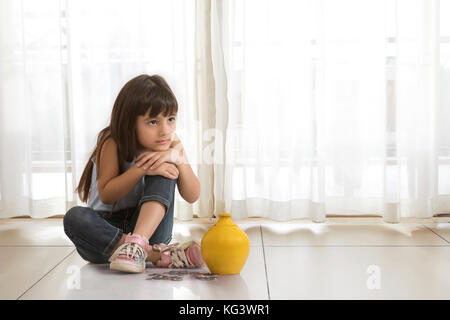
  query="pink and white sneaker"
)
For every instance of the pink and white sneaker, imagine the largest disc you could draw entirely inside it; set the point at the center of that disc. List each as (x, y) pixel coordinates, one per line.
(186, 255)
(131, 255)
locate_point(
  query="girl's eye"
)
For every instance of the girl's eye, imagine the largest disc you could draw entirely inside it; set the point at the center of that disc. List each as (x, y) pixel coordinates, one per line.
(154, 121)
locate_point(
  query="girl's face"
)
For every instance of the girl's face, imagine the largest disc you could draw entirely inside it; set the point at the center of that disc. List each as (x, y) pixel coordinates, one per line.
(150, 131)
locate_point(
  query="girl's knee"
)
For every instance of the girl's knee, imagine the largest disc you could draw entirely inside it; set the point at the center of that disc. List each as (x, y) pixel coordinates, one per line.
(70, 217)
(157, 180)
(74, 217)
(160, 186)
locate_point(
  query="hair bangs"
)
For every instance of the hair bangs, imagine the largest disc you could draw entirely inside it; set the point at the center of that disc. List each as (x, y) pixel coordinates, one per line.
(159, 101)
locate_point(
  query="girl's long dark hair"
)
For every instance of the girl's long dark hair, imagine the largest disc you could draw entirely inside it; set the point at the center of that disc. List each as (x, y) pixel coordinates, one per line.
(137, 96)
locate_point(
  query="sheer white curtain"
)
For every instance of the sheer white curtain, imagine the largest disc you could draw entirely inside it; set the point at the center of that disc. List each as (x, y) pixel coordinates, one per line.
(334, 107)
(288, 109)
(62, 63)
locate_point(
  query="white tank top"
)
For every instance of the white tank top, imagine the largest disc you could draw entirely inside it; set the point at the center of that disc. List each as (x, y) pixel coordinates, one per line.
(130, 200)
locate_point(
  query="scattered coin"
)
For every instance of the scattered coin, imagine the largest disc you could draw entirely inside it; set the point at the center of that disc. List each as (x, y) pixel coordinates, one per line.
(209, 274)
(156, 276)
(206, 276)
(178, 273)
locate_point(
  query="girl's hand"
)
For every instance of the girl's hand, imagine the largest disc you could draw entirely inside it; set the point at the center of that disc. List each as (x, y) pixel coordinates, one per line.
(167, 170)
(175, 141)
(152, 160)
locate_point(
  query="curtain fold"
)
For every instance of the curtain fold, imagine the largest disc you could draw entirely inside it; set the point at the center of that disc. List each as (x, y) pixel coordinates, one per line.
(288, 109)
(62, 64)
(31, 119)
(206, 109)
(333, 111)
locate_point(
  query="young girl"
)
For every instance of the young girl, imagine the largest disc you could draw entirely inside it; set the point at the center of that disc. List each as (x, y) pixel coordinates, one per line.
(129, 185)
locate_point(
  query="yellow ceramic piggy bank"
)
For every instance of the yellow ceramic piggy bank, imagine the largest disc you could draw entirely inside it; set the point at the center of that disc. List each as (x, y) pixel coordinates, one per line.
(225, 246)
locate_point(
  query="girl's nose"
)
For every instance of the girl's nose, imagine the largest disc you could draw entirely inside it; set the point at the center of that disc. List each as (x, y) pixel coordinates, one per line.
(165, 130)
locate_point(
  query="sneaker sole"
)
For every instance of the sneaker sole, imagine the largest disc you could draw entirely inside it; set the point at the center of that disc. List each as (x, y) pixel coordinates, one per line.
(126, 267)
(194, 256)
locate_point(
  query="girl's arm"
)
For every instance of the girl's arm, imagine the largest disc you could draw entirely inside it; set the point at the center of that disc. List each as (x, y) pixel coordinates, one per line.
(188, 184)
(120, 186)
(112, 186)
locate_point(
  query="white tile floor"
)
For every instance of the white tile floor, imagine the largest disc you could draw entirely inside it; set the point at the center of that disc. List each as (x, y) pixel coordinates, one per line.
(333, 260)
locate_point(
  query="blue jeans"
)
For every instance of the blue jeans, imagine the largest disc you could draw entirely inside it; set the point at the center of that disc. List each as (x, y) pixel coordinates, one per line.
(96, 233)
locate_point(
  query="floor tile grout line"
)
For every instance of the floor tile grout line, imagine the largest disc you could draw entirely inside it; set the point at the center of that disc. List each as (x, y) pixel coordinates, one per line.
(265, 264)
(358, 246)
(70, 253)
(34, 246)
(273, 245)
(436, 233)
(276, 245)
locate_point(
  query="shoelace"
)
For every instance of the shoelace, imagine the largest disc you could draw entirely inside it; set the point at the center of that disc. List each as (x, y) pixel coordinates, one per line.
(125, 249)
(178, 257)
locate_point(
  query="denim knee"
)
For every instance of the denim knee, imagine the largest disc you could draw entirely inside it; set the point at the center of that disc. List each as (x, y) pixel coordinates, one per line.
(77, 218)
(70, 219)
(158, 184)
(160, 189)
(93, 236)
